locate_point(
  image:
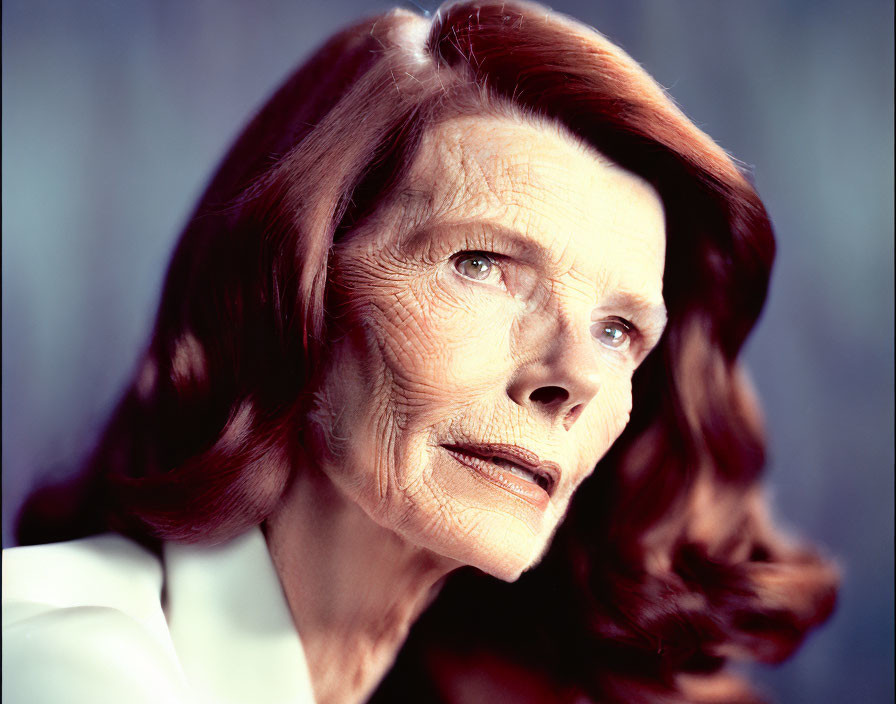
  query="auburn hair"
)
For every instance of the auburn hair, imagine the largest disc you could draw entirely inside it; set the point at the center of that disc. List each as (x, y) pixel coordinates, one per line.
(667, 565)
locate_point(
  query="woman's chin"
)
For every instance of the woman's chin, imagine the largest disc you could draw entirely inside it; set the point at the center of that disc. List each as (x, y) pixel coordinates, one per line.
(456, 514)
(487, 526)
(499, 545)
(471, 521)
(507, 570)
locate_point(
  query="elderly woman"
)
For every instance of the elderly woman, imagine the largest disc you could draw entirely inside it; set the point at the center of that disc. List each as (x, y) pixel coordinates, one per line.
(449, 271)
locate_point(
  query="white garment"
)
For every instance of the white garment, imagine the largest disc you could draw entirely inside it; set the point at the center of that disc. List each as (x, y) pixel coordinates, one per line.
(84, 622)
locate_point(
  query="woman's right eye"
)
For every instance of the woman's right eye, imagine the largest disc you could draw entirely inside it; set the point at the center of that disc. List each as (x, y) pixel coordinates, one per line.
(478, 266)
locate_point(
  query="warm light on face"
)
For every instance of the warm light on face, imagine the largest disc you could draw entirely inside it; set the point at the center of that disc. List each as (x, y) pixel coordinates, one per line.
(498, 309)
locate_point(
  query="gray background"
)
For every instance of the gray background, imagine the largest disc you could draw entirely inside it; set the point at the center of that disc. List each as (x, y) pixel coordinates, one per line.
(115, 113)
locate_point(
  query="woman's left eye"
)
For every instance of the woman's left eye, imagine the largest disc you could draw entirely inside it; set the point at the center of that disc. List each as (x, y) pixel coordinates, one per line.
(478, 266)
(614, 333)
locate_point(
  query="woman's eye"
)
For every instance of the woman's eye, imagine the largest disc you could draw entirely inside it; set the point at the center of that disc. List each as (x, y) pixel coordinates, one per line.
(616, 334)
(477, 266)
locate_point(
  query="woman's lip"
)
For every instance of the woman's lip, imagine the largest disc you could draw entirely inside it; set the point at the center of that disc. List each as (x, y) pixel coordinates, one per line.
(516, 454)
(477, 457)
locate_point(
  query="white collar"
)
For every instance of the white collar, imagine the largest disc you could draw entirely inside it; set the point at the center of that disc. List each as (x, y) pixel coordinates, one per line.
(231, 624)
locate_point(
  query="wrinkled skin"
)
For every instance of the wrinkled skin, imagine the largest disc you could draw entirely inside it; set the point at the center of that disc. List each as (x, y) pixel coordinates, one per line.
(522, 347)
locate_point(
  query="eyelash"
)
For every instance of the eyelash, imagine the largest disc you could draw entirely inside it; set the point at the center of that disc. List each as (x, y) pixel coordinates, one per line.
(629, 328)
(631, 331)
(493, 259)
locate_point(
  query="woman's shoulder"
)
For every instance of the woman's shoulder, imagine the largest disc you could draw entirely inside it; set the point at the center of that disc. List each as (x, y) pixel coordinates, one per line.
(106, 569)
(83, 621)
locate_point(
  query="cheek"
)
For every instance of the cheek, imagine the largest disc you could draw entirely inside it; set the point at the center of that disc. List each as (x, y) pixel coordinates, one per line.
(606, 418)
(438, 342)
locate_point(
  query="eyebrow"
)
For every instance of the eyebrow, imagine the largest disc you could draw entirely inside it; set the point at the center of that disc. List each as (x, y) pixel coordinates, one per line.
(517, 240)
(654, 312)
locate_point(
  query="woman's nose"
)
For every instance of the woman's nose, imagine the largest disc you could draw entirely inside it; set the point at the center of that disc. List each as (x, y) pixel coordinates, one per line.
(560, 383)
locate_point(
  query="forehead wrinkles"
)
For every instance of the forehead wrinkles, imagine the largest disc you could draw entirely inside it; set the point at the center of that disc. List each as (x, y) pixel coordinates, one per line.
(478, 164)
(533, 178)
(494, 161)
(453, 175)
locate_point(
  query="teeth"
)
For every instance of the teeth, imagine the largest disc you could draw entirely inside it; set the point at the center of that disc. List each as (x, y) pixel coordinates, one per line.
(516, 470)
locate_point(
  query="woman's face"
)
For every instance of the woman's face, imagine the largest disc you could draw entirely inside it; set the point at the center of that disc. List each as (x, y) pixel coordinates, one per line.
(496, 311)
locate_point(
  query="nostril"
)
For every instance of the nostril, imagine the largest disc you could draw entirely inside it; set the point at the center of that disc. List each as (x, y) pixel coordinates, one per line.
(549, 395)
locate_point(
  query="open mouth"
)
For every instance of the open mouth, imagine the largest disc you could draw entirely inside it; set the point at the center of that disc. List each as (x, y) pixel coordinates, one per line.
(509, 466)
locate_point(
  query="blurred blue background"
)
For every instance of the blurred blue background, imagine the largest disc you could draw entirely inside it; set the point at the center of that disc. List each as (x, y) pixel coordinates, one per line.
(115, 114)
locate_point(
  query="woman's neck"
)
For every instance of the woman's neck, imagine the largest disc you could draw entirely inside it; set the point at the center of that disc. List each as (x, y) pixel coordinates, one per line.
(354, 588)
